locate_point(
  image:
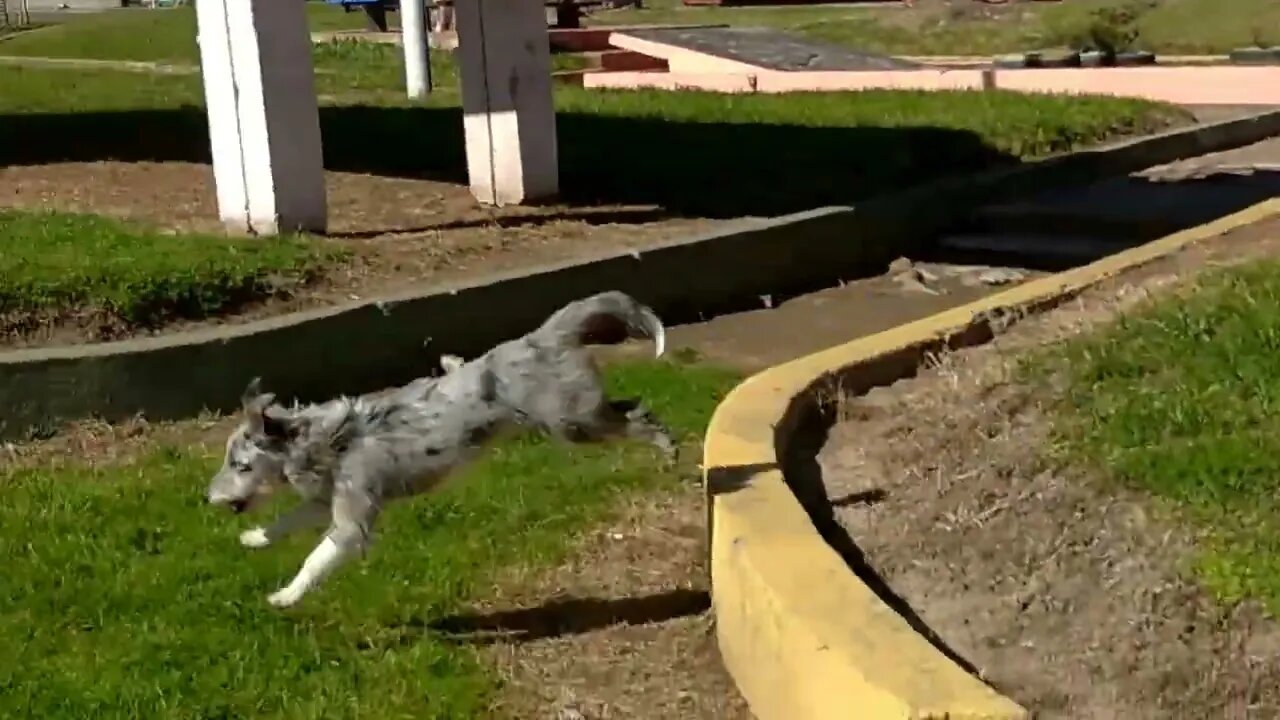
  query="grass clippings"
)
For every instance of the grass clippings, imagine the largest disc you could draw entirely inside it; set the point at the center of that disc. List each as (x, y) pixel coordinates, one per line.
(809, 149)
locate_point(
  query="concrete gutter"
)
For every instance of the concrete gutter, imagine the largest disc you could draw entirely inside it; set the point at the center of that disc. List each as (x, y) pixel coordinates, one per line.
(376, 343)
(801, 634)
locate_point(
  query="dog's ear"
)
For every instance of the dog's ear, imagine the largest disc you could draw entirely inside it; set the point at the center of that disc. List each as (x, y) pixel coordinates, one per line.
(262, 418)
(278, 424)
(253, 399)
(451, 363)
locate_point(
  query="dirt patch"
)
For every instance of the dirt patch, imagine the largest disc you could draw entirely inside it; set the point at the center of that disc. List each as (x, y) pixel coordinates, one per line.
(622, 629)
(404, 234)
(95, 443)
(1065, 594)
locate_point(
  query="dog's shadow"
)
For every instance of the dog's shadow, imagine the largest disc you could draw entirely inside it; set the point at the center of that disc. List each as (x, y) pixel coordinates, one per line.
(565, 616)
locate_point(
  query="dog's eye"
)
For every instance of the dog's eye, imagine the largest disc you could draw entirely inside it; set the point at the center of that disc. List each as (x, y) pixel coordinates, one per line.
(241, 466)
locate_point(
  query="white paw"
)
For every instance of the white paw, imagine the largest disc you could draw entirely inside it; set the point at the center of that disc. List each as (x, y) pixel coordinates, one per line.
(284, 598)
(255, 538)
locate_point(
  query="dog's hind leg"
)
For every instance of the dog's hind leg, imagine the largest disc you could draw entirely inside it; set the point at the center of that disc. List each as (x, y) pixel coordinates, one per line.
(623, 417)
(354, 513)
(642, 424)
(309, 514)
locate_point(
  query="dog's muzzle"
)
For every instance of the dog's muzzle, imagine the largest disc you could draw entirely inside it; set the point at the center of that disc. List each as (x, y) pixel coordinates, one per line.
(236, 505)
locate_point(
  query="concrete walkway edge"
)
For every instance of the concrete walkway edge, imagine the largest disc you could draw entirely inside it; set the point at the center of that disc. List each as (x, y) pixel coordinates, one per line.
(801, 634)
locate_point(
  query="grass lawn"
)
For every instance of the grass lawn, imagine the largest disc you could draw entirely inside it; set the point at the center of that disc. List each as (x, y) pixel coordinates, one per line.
(169, 37)
(717, 155)
(165, 36)
(1167, 26)
(1182, 400)
(124, 596)
(51, 263)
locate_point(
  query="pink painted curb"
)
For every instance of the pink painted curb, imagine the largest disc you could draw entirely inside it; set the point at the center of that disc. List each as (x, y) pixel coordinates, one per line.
(1185, 85)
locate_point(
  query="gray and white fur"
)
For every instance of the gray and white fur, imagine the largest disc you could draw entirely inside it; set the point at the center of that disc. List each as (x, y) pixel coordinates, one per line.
(348, 456)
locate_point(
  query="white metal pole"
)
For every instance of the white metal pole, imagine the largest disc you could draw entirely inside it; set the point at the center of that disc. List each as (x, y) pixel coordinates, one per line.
(413, 33)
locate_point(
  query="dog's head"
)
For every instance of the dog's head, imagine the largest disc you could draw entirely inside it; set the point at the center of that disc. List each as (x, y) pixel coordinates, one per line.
(256, 451)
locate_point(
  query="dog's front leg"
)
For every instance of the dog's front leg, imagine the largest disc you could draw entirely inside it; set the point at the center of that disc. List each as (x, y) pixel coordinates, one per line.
(353, 518)
(309, 514)
(326, 556)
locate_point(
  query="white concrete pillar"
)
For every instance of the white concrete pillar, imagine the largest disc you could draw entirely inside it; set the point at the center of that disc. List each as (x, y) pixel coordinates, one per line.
(507, 109)
(417, 58)
(264, 126)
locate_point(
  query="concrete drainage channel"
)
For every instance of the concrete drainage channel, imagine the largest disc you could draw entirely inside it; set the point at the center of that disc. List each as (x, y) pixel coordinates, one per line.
(994, 246)
(180, 375)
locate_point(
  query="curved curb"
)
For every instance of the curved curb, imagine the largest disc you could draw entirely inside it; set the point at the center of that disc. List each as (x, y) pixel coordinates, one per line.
(801, 635)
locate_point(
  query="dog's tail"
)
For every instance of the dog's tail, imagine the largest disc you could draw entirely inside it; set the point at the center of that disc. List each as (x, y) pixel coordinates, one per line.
(605, 319)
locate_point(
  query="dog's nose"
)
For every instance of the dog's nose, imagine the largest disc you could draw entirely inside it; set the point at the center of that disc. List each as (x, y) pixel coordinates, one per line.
(238, 506)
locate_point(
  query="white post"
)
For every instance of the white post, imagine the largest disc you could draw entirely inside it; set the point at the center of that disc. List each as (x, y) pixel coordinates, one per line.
(508, 114)
(264, 125)
(417, 58)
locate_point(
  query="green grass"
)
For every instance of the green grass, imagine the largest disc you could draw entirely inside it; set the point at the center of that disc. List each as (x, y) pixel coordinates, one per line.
(163, 36)
(124, 596)
(1020, 125)
(1181, 399)
(1166, 26)
(52, 262)
(169, 37)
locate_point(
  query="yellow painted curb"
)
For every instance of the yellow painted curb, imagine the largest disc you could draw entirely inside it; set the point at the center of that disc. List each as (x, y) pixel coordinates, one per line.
(802, 636)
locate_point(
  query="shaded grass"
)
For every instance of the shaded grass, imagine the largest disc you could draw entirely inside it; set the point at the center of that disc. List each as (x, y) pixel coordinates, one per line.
(55, 262)
(693, 154)
(1181, 399)
(124, 596)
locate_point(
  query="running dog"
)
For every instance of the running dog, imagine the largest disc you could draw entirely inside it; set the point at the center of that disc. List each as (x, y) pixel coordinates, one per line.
(348, 456)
